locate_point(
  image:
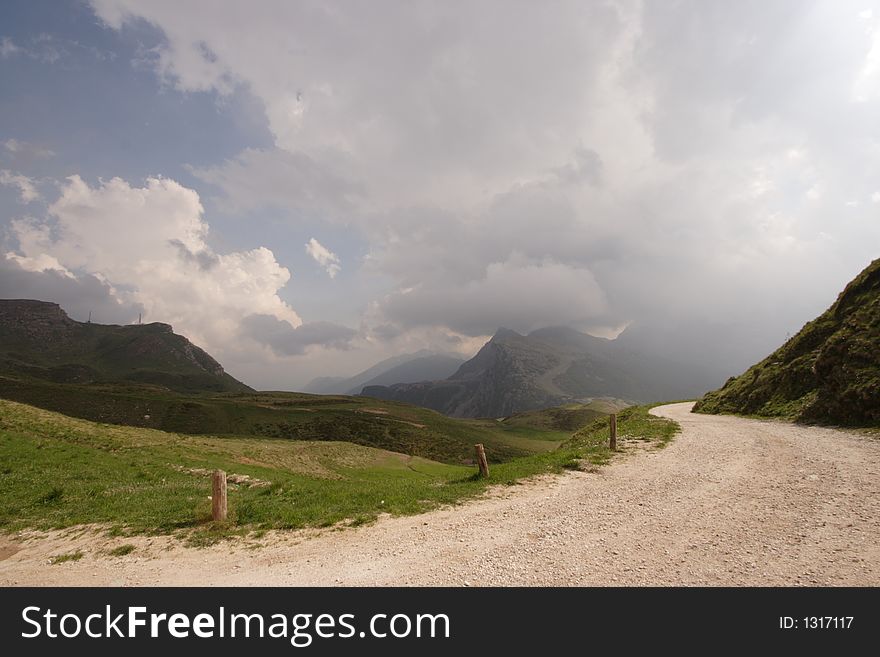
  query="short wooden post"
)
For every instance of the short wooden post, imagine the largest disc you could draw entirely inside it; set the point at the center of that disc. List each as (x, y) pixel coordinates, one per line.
(612, 441)
(481, 460)
(218, 498)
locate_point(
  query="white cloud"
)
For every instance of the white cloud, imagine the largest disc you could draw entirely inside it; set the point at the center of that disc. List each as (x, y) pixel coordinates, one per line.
(651, 161)
(21, 148)
(324, 257)
(418, 100)
(42, 262)
(150, 245)
(79, 296)
(8, 48)
(875, 197)
(867, 82)
(27, 187)
(50, 49)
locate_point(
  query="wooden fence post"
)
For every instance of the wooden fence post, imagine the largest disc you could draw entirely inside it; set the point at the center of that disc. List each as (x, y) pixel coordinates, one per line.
(481, 460)
(612, 441)
(218, 498)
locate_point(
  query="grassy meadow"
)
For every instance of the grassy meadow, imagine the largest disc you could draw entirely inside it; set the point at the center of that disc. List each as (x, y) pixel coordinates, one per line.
(57, 471)
(299, 416)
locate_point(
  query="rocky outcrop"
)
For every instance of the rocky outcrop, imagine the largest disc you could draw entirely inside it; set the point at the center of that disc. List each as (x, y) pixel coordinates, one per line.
(548, 367)
(38, 339)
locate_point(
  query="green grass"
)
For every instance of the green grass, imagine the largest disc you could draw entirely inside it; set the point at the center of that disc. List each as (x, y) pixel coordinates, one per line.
(58, 472)
(567, 418)
(297, 416)
(546, 429)
(122, 550)
(633, 423)
(70, 556)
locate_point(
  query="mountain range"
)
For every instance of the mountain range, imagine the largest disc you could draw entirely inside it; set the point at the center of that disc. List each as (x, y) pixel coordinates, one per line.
(423, 365)
(829, 372)
(147, 376)
(511, 373)
(38, 340)
(548, 367)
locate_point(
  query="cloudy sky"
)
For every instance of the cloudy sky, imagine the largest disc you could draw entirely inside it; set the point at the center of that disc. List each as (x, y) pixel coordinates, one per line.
(303, 188)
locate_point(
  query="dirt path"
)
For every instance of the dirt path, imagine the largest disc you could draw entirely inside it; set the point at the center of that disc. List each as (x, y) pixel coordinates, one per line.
(730, 501)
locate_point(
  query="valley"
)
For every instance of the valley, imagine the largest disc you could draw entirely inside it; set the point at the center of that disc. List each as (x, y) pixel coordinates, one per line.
(298, 416)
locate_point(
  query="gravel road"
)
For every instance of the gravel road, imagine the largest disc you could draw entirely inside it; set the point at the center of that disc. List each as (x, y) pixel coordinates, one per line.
(729, 502)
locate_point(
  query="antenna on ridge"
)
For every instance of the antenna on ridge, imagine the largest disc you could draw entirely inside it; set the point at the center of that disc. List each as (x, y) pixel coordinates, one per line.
(90, 318)
(139, 318)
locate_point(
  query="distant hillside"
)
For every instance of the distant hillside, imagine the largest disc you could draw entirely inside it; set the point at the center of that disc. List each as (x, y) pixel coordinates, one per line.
(568, 418)
(423, 365)
(828, 373)
(39, 340)
(324, 385)
(424, 368)
(548, 367)
(298, 416)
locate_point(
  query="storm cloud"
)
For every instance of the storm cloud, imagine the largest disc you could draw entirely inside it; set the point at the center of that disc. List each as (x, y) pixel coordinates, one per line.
(289, 341)
(704, 173)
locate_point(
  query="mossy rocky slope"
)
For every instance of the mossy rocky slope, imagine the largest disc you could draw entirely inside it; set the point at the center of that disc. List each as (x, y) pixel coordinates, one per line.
(828, 373)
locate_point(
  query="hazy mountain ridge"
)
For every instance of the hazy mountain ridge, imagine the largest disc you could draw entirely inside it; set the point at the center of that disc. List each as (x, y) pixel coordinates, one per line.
(423, 368)
(829, 372)
(39, 340)
(324, 385)
(405, 368)
(548, 367)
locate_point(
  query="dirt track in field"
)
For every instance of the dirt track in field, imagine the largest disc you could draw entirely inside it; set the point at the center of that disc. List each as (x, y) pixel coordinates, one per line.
(729, 502)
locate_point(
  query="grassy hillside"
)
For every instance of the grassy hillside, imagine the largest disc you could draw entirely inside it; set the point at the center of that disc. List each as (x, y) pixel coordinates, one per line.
(633, 423)
(38, 340)
(58, 471)
(567, 418)
(828, 373)
(298, 416)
